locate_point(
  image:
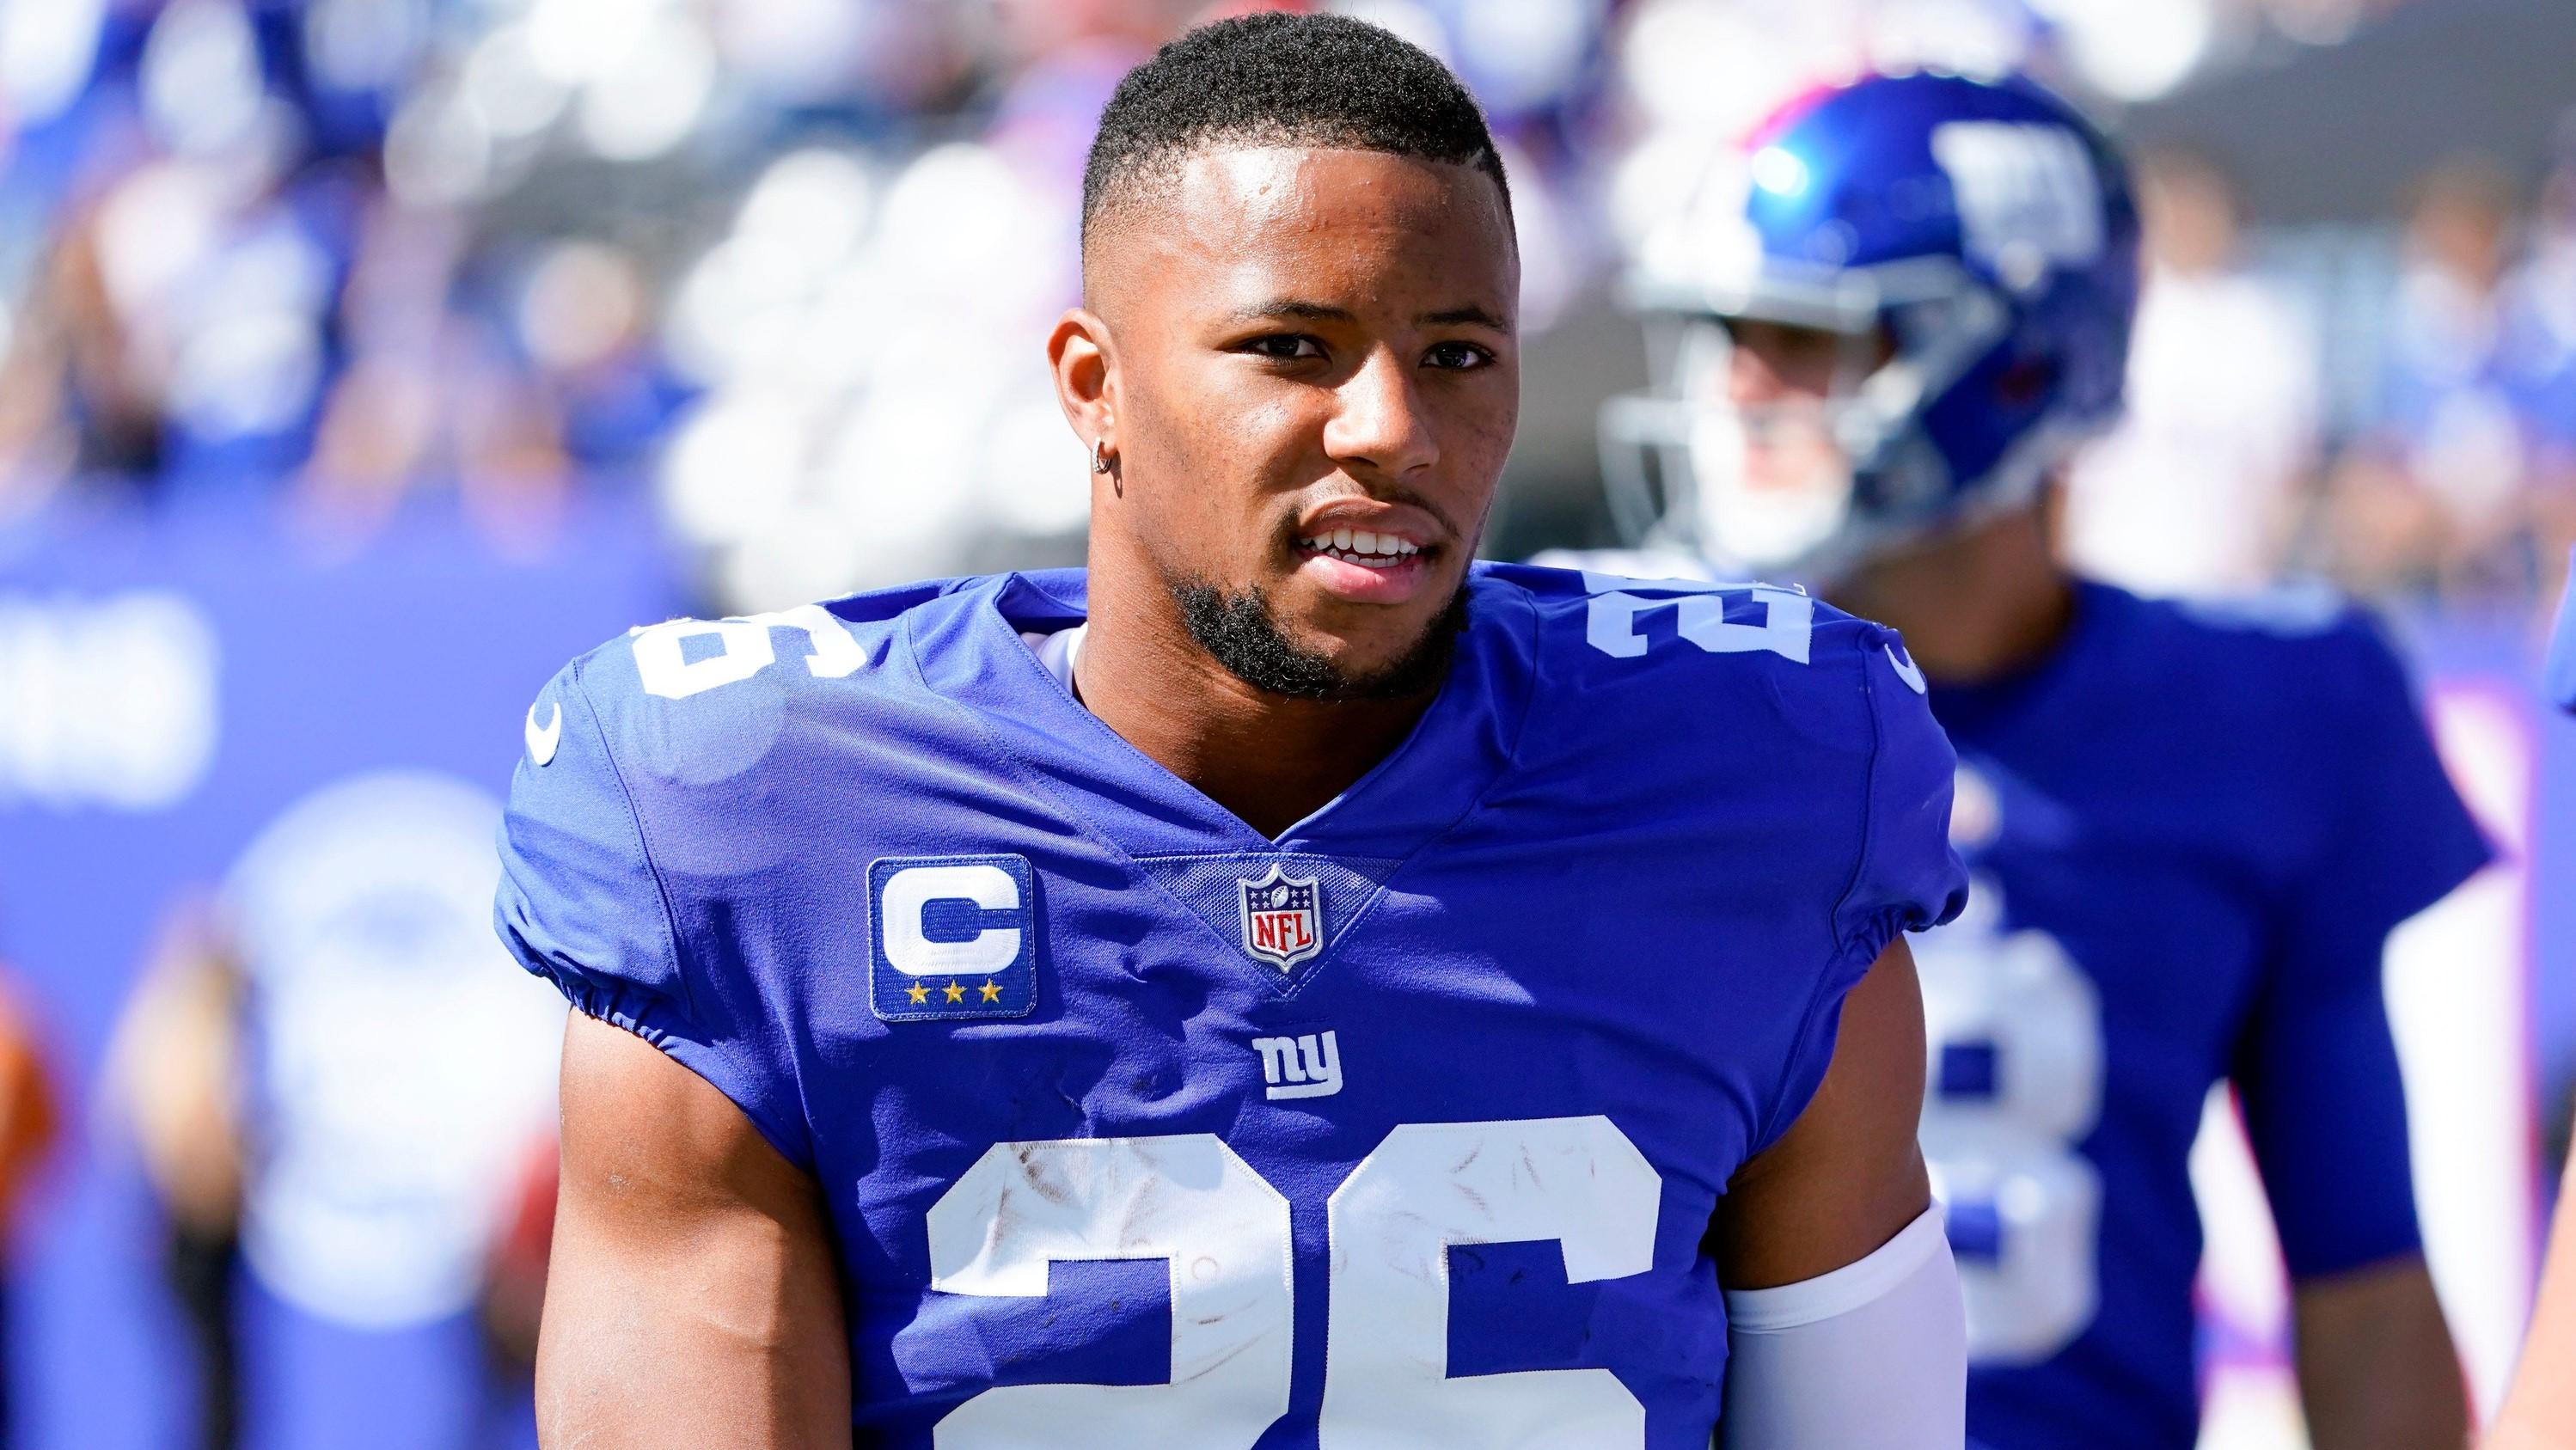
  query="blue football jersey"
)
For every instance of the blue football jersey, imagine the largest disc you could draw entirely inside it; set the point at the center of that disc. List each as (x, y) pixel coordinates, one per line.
(1140, 1129)
(2191, 829)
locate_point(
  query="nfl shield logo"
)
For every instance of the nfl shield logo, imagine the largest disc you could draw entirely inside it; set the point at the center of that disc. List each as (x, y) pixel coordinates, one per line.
(1283, 918)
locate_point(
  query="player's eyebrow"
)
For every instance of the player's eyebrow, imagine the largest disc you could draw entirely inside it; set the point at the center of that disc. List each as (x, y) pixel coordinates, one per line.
(1279, 308)
(1471, 315)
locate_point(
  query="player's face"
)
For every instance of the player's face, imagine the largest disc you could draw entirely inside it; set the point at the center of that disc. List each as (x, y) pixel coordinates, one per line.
(1783, 379)
(1773, 478)
(1318, 382)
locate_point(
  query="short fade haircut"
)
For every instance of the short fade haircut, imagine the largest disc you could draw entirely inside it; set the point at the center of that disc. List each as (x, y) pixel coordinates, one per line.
(1273, 79)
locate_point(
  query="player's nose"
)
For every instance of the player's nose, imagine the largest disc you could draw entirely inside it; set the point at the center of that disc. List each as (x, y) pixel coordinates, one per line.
(1753, 376)
(1381, 423)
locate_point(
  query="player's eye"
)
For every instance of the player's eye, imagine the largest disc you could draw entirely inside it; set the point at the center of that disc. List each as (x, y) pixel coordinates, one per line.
(1285, 347)
(1458, 357)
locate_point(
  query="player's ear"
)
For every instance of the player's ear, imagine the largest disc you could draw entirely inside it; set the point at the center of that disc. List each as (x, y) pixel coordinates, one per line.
(1078, 352)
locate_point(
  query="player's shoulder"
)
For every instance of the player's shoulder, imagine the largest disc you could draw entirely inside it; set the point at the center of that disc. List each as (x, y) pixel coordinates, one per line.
(1687, 702)
(1679, 652)
(692, 697)
(1659, 623)
(2296, 647)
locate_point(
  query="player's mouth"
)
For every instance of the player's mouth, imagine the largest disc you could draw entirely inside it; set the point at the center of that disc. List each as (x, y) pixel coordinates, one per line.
(1366, 566)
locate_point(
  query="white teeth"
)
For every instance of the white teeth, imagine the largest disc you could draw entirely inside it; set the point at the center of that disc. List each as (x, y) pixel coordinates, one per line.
(1363, 546)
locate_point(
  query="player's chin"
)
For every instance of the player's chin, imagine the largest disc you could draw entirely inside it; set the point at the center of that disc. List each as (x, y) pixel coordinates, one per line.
(1365, 628)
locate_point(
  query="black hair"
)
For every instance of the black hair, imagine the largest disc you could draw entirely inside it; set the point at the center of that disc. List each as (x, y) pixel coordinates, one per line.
(1278, 79)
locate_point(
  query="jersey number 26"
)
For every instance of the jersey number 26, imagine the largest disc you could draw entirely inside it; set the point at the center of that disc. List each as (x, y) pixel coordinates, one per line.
(1190, 1200)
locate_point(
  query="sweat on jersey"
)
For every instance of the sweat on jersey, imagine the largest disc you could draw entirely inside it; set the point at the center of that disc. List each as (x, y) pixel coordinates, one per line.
(1138, 1128)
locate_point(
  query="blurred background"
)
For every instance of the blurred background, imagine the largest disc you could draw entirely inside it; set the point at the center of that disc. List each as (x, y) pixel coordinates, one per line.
(363, 360)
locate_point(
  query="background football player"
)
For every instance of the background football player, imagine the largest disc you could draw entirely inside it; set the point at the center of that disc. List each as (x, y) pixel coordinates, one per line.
(1884, 328)
(1288, 984)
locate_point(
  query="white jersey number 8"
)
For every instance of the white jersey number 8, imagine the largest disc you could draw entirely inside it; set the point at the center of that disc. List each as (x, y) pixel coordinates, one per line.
(2016, 1084)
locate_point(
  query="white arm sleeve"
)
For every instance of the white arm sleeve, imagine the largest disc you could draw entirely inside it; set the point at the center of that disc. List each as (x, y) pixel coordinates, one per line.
(1873, 1356)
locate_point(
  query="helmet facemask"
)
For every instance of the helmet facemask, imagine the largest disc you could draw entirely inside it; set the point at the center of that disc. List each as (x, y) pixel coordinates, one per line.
(1798, 476)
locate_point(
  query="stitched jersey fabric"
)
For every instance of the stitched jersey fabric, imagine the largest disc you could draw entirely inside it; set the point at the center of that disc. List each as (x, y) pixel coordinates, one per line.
(1141, 1129)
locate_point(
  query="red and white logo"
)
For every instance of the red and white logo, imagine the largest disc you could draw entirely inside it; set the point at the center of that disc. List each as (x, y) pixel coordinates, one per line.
(1283, 918)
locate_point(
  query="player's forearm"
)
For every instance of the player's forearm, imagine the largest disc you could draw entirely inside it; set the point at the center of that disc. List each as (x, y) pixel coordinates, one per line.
(1893, 1319)
(2377, 1370)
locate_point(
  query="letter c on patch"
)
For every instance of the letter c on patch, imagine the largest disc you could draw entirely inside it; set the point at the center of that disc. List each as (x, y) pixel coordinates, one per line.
(908, 894)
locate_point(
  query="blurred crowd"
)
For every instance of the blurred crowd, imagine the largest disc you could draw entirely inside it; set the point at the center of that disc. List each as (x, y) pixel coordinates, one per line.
(784, 263)
(2442, 463)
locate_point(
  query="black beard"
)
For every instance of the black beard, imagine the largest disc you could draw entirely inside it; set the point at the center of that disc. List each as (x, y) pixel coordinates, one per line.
(1237, 630)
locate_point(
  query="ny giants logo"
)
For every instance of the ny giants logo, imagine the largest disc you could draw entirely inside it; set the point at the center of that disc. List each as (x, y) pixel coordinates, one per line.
(1283, 918)
(1300, 1067)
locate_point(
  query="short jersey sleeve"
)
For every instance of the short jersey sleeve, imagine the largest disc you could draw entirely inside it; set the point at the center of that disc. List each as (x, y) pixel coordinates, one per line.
(1905, 876)
(582, 905)
(2316, 1068)
(1908, 877)
(2400, 838)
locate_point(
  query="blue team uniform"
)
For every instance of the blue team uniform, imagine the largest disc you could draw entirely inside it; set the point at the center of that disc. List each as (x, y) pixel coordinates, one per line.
(2191, 829)
(1140, 1129)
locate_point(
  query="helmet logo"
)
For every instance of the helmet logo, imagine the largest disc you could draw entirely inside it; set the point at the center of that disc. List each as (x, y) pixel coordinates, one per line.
(2029, 198)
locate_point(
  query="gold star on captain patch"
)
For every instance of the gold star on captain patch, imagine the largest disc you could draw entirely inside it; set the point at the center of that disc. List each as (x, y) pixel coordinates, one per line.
(917, 993)
(991, 992)
(954, 992)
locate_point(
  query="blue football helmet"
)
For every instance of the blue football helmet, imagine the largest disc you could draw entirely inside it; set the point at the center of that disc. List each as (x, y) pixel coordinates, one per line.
(1968, 251)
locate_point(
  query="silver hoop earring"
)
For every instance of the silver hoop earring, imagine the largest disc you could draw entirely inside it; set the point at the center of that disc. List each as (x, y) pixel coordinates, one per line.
(1100, 455)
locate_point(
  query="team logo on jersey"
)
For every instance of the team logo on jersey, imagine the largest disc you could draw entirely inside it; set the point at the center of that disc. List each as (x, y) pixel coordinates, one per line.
(542, 739)
(1305, 1066)
(1906, 669)
(1283, 918)
(952, 937)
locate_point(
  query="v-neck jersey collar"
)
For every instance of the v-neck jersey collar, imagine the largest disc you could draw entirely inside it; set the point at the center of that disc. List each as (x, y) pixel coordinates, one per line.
(966, 647)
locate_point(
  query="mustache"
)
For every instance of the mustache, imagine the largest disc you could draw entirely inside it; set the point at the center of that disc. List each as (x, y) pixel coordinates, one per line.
(1391, 493)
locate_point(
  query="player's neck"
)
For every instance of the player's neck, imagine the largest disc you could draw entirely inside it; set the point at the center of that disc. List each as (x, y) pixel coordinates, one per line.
(1976, 605)
(1270, 760)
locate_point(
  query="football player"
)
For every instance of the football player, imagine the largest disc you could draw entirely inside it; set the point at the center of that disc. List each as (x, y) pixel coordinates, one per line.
(1286, 985)
(2191, 827)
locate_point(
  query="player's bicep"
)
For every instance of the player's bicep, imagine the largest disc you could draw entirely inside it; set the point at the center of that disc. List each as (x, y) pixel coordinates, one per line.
(692, 1297)
(1846, 1177)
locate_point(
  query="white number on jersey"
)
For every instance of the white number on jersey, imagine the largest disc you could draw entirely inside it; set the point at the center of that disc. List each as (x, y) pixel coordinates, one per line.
(1578, 1181)
(2019, 1007)
(661, 655)
(1787, 629)
(1186, 1199)
(1189, 1200)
